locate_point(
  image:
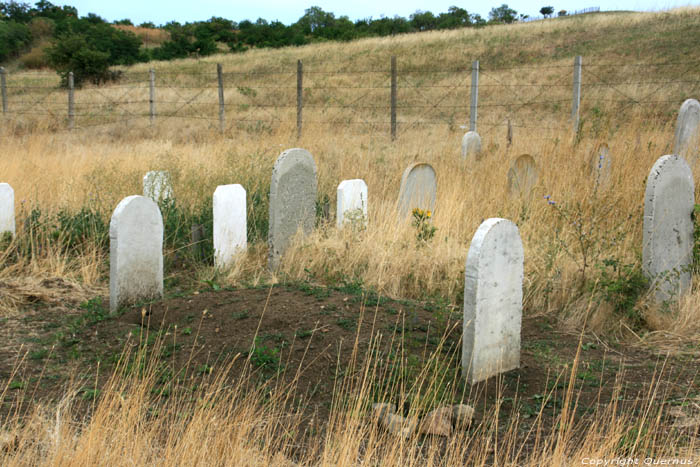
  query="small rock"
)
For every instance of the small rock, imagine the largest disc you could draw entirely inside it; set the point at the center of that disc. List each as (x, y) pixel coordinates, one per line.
(462, 415)
(438, 422)
(381, 410)
(399, 426)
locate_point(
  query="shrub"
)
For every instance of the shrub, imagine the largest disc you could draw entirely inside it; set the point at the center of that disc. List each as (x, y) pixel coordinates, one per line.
(14, 37)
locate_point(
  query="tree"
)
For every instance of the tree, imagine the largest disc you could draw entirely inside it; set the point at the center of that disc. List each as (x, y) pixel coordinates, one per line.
(503, 14)
(547, 11)
(124, 22)
(423, 21)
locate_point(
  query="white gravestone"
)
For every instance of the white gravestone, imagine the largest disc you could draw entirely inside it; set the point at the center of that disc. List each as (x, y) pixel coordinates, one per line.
(493, 301)
(471, 145)
(156, 185)
(292, 200)
(418, 189)
(601, 165)
(352, 203)
(7, 209)
(522, 175)
(687, 138)
(135, 252)
(667, 252)
(230, 226)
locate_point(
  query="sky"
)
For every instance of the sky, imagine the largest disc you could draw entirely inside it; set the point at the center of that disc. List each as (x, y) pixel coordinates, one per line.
(162, 11)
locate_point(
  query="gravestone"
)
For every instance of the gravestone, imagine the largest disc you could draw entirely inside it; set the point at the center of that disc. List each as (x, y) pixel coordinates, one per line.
(7, 209)
(522, 175)
(418, 189)
(292, 200)
(667, 252)
(156, 185)
(352, 203)
(230, 234)
(493, 296)
(135, 252)
(687, 138)
(471, 145)
(600, 165)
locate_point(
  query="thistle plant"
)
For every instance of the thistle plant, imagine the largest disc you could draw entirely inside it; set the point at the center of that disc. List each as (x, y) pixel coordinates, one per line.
(425, 230)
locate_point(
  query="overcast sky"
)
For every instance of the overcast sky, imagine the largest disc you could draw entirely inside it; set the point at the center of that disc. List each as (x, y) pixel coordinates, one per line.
(162, 11)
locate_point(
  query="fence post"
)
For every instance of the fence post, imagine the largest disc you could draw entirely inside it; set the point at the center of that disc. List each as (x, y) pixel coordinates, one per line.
(300, 96)
(393, 97)
(474, 96)
(222, 115)
(577, 93)
(152, 94)
(71, 101)
(3, 88)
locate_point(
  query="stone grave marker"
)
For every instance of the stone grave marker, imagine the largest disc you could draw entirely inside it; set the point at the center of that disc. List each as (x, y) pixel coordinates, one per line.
(493, 301)
(667, 252)
(135, 252)
(157, 186)
(471, 145)
(522, 175)
(600, 165)
(418, 189)
(292, 200)
(230, 227)
(351, 205)
(687, 139)
(7, 209)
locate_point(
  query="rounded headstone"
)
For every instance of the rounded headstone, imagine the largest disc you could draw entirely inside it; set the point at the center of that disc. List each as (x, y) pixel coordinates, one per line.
(687, 138)
(351, 206)
(600, 165)
(157, 186)
(230, 228)
(667, 252)
(292, 200)
(7, 209)
(471, 145)
(135, 252)
(493, 301)
(522, 175)
(418, 189)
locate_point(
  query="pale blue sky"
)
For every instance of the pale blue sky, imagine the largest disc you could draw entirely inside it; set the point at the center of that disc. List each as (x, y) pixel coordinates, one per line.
(162, 11)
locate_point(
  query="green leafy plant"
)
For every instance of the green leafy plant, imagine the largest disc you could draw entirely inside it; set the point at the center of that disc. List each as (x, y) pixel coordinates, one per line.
(425, 230)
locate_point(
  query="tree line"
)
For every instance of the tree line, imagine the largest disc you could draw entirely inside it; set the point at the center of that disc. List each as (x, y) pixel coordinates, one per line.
(89, 45)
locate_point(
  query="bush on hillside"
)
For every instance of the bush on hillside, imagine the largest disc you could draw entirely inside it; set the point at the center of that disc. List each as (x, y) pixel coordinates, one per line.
(14, 38)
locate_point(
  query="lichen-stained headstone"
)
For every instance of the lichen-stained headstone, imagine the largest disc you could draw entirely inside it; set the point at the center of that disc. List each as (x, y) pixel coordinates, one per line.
(471, 145)
(687, 138)
(522, 175)
(667, 252)
(418, 189)
(135, 252)
(292, 200)
(157, 186)
(7, 209)
(351, 206)
(600, 165)
(493, 301)
(230, 225)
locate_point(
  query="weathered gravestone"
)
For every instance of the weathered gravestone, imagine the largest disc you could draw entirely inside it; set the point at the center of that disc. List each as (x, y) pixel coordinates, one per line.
(230, 234)
(522, 175)
(493, 301)
(135, 252)
(667, 253)
(600, 165)
(687, 138)
(292, 200)
(418, 189)
(7, 209)
(351, 203)
(157, 186)
(471, 145)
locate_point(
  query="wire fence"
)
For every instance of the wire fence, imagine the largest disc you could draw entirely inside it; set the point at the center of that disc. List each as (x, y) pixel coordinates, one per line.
(391, 100)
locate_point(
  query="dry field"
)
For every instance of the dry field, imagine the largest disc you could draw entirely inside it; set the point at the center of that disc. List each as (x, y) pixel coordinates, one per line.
(582, 255)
